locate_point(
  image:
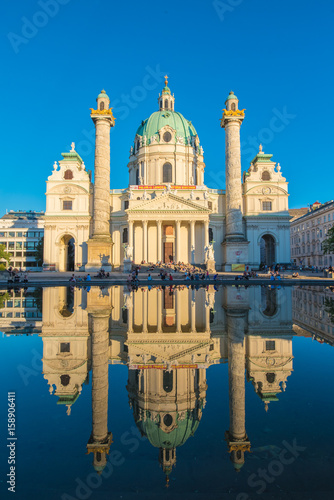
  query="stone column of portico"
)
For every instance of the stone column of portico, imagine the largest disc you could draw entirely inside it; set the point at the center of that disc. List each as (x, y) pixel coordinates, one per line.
(236, 436)
(100, 244)
(192, 242)
(178, 241)
(131, 234)
(206, 233)
(100, 439)
(159, 237)
(234, 236)
(145, 241)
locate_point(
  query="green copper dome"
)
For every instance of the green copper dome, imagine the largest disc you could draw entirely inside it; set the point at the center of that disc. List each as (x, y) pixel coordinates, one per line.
(159, 119)
(103, 94)
(177, 437)
(166, 90)
(231, 96)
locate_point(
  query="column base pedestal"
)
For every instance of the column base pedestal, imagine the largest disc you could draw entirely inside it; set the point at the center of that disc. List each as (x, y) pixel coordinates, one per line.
(99, 254)
(211, 266)
(127, 266)
(235, 255)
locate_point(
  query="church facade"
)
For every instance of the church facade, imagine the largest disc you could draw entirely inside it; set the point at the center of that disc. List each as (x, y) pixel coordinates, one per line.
(167, 213)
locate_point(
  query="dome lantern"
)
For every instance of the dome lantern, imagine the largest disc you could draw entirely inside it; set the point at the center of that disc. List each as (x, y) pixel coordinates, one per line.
(166, 99)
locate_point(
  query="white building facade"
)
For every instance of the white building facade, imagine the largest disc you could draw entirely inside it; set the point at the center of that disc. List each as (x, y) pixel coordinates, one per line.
(167, 213)
(307, 234)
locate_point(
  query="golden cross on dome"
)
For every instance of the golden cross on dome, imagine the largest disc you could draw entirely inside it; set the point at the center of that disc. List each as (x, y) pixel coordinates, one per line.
(166, 80)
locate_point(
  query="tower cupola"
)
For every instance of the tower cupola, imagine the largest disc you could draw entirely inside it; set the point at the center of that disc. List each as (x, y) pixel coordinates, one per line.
(231, 102)
(166, 99)
(102, 101)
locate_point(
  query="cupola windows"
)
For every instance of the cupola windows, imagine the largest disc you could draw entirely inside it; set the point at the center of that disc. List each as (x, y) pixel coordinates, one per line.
(167, 173)
(233, 106)
(102, 106)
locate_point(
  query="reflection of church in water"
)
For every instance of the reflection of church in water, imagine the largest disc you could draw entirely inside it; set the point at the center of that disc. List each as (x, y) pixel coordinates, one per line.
(168, 339)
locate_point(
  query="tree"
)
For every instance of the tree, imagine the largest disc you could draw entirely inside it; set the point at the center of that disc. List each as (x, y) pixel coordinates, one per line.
(328, 243)
(40, 252)
(4, 255)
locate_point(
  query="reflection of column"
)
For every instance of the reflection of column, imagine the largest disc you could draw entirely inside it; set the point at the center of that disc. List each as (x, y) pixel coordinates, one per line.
(159, 240)
(236, 436)
(144, 295)
(100, 440)
(159, 305)
(178, 310)
(207, 313)
(178, 241)
(145, 241)
(193, 312)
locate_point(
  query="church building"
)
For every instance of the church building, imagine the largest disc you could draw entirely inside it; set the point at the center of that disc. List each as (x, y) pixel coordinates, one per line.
(167, 213)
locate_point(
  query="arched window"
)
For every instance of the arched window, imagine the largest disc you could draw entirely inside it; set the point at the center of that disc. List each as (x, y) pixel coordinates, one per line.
(167, 381)
(64, 380)
(233, 106)
(265, 175)
(167, 173)
(166, 103)
(98, 456)
(125, 235)
(68, 175)
(210, 234)
(137, 177)
(101, 106)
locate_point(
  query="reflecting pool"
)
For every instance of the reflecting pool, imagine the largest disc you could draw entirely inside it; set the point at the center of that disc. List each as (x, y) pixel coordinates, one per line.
(171, 392)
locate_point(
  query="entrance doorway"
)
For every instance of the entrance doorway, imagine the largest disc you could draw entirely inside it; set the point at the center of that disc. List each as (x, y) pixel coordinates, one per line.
(168, 251)
(267, 250)
(67, 253)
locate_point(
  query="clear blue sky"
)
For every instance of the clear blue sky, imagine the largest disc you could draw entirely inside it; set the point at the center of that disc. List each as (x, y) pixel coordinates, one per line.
(276, 55)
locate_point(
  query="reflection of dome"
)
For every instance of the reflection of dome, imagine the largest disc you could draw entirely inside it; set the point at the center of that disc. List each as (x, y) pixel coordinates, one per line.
(160, 119)
(183, 429)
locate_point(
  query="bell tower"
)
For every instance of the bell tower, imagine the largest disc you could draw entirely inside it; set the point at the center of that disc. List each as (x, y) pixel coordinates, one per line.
(100, 243)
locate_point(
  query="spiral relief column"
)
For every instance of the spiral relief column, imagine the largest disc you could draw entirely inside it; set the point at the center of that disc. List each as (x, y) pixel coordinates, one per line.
(235, 245)
(100, 243)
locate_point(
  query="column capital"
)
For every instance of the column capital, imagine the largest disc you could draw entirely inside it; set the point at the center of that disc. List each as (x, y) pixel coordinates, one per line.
(159, 222)
(145, 222)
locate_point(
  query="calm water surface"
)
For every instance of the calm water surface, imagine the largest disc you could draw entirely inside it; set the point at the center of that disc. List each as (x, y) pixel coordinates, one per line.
(168, 393)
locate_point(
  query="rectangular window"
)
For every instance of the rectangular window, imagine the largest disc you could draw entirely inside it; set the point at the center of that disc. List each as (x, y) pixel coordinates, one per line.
(11, 235)
(18, 254)
(3, 235)
(11, 245)
(266, 206)
(18, 245)
(210, 205)
(65, 347)
(29, 245)
(30, 234)
(67, 205)
(270, 345)
(126, 204)
(19, 235)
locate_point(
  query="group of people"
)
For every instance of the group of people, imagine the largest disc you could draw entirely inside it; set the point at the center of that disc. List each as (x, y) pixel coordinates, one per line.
(78, 279)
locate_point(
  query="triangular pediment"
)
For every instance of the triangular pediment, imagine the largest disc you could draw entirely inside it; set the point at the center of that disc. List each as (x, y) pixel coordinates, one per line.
(168, 203)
